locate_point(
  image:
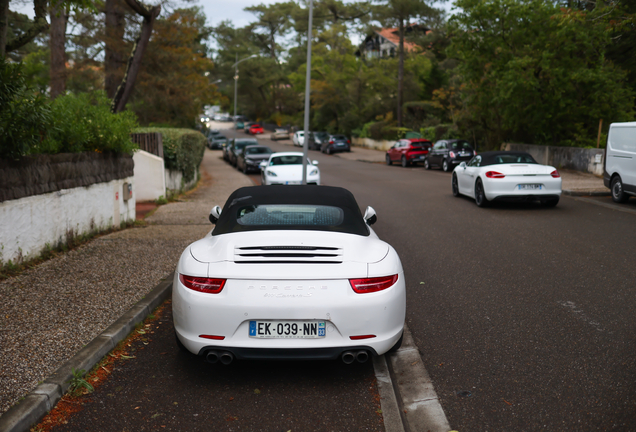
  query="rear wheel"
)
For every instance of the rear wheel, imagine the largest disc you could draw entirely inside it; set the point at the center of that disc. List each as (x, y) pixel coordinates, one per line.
(245, 170)
(405, 162)
(388, 160)
(618, 193)
(445, 165)
(427, 165)
(480, 195)
(455, 185)
(397, 345)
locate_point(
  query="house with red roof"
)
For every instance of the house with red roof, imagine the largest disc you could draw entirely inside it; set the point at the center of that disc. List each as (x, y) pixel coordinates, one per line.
(384, 43)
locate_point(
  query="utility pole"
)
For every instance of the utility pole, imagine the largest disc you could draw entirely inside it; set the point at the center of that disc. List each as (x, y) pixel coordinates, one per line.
(307, 91)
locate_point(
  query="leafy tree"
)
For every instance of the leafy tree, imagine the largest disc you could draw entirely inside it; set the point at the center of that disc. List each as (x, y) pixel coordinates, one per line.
(173, 87)
(534, 73)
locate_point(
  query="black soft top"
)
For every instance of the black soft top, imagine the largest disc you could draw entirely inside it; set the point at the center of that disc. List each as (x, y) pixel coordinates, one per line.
(494, 157)
(352, 221)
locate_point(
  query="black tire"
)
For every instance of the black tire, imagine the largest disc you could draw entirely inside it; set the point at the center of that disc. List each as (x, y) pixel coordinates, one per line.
(445, 165)
(388, 160)
(480, 195)
(427, 164)
(618, 192)
(328, 150)
(397, 345)
(181, 345)
(245, 170)
(455, 185)
(405, 162)
(551, 202)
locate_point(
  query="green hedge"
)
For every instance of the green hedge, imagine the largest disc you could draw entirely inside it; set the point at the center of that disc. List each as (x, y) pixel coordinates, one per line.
(182, 149)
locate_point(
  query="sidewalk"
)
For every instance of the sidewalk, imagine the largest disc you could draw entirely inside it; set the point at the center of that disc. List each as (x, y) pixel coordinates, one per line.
(574, 182)
(51, 311)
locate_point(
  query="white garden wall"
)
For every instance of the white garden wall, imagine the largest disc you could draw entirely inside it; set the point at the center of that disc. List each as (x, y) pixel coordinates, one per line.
(150, 176)
(372, 144)
(28, 224)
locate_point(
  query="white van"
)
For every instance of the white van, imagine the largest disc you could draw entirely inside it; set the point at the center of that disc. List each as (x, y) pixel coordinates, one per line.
(620, 161)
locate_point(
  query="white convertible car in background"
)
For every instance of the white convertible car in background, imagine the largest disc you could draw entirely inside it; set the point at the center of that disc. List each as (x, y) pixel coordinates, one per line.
(289, 272)
(286, 168)
(506, 176)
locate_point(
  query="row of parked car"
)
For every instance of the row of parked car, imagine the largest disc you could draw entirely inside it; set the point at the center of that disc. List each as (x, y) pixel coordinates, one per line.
(323, 141)
(445, 154)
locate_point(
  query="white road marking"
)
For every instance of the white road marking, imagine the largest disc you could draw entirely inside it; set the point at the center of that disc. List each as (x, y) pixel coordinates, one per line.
(579, 314)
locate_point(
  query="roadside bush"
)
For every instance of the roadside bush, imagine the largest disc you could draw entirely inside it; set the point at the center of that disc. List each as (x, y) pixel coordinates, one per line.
(84, 122)
(182, 149)
(441, 131)
(24, 113)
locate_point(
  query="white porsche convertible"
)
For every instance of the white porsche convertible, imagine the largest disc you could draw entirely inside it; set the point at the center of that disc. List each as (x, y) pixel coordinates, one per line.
(286, 168)
(506, 176)
(289, 272)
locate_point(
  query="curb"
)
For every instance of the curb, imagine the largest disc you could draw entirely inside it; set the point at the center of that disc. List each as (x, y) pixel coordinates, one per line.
(407, 397)
(35, 405)
(571, 192)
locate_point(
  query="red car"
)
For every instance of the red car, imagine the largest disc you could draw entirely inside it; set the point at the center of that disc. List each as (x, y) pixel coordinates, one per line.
(256, 129)
(408, 151)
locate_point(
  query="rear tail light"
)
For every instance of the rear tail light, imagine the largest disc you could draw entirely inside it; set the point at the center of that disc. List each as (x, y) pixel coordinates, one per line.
(494, 174)
(331, 141)
(474, 153)
(451, 154)
(359, 337)
(202, 284)
(555, 174)
(348, 142)
(213, 337)
(369, 285)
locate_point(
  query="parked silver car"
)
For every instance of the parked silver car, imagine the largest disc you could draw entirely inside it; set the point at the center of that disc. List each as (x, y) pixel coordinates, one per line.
(279, 134)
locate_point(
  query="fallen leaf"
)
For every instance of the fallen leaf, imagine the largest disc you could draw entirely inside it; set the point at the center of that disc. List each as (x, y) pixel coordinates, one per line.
(379, 411)
(506, 402)
(141, 331)
(231, 398)
(137, 407)
(421, 283)
(414, 363)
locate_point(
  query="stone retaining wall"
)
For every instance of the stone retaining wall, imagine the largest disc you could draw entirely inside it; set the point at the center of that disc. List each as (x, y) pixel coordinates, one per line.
(574, 158)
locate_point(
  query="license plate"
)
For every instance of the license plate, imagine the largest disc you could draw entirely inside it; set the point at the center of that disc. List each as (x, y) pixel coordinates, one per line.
(530, 187)
(292, 182)
(287, 329)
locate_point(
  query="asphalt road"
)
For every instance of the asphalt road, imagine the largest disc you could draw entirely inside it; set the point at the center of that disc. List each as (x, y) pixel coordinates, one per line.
(523, 317)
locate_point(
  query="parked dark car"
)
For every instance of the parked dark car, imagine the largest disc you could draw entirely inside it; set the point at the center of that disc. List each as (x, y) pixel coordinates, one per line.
(317, 139)
(251, 156)
(217, 142)
(336, 143)
(446, 154)
(408, 151)
(237, 145)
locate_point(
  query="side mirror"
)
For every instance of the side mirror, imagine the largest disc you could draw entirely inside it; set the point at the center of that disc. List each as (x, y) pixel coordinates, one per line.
(314, 162)
(263, 165)
(214, 214)
(369, 216)
(462, 165)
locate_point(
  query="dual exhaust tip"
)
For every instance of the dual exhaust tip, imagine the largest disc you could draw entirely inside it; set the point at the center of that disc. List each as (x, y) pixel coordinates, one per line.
(349, 357)
(224, 357)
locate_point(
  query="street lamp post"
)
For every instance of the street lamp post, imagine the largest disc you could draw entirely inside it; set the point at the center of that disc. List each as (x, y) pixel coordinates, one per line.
(235, 66)
(307, 91)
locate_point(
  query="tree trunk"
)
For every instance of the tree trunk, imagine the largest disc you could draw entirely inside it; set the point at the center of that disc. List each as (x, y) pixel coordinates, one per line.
(4, 22)
(114, 58)
(39, 24)
(57, 43)
(400, 74)
(134, 61)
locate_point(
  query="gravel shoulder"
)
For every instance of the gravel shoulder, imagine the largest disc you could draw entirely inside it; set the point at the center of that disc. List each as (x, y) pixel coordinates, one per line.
(51, 311)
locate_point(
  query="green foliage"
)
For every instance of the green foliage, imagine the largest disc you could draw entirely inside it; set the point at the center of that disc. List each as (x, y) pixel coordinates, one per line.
(440, 131)
(535, 73)
(77, 382)
(84, 122)
(182, 149)
(24, 113)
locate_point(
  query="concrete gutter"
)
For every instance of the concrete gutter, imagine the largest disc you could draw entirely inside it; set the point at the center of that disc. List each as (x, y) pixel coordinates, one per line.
(21, 416)
(407, 397)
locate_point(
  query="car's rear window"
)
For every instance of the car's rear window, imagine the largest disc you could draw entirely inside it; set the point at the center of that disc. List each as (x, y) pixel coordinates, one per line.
(307, 208)
(290, 215)
(458, 145)
(257, 150)
(286, 160)
(420, 144)
(241, 144)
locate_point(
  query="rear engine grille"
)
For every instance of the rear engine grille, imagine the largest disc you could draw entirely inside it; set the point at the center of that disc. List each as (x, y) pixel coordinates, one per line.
(287, 255)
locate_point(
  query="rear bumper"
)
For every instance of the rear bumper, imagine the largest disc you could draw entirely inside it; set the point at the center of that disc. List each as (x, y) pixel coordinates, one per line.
(526, 198)
(287, 353)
